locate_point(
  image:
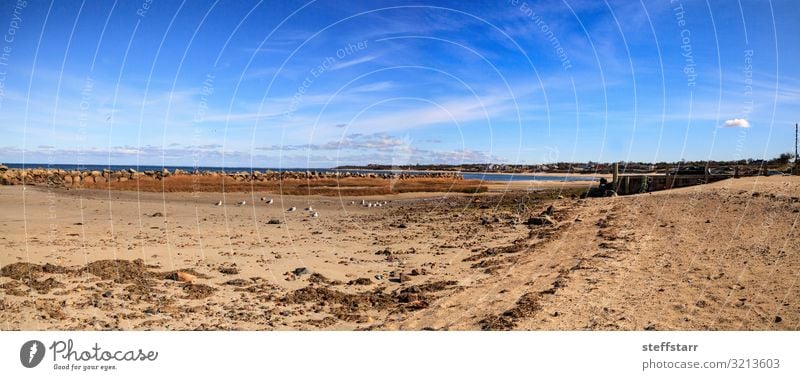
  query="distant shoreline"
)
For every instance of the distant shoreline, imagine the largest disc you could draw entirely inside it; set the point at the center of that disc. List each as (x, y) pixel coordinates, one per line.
(484, 176)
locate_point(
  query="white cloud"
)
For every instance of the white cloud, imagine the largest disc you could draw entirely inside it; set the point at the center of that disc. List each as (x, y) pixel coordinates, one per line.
(736, 123)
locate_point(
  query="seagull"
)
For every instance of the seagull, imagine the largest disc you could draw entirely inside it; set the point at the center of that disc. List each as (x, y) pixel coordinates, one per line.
(263, 198)
(315, 215)
(309, 208)
(269, 202)
(292, 208)
(219, 203)
(363, 202)
(352, 202)
(241, 203)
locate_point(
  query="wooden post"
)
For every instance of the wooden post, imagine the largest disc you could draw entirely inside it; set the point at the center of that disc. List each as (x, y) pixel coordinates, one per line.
(615, 177)
(796, 171)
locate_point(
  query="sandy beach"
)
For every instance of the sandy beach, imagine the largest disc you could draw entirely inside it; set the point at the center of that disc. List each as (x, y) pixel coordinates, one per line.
(722, 256)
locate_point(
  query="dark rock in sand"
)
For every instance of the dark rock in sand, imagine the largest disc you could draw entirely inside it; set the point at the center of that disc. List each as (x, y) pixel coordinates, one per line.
(401, 278)
(300, 271)
(541, 220)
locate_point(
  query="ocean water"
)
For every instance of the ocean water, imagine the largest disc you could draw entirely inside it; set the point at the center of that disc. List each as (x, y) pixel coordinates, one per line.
(494, 177)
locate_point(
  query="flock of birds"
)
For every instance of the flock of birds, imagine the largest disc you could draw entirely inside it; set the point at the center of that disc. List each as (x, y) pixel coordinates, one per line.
(309, 209)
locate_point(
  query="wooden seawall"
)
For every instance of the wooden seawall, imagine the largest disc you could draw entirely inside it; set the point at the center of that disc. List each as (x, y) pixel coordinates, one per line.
(635, 184)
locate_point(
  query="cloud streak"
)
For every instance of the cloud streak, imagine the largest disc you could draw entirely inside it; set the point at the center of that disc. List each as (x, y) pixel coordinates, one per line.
(736, 123)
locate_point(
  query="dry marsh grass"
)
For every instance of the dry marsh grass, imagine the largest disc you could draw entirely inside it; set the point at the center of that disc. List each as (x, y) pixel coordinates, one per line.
(325, 186)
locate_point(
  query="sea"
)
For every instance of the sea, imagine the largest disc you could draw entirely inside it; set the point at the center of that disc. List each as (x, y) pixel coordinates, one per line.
(493, 177)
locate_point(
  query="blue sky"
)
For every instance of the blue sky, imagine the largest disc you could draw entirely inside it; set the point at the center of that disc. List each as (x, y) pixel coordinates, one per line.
(326, 83)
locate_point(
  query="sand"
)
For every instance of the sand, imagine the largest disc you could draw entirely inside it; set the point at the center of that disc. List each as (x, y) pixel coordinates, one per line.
(723, 256)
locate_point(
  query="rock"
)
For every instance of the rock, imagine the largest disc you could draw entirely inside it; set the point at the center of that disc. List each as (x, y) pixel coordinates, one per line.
(157, 215)
(274, 221)
(419, 272)
(541, 220)
(183, 277)
(236, 282)
(300, 271)
(379, 277)
(401, 225)
(778, 319)
(107, 294)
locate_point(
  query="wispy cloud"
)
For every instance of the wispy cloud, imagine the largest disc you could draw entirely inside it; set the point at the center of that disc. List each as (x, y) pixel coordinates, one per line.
(378, 141)
(357, 61)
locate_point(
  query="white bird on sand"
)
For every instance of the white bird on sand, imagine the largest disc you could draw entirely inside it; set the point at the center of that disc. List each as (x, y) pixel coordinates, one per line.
(292, 209)
(269, 201)
(363, 202)
(309, 208)
(241, 203)
(315, 215)
(219, 203)
(263, 198)
(352, 202)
